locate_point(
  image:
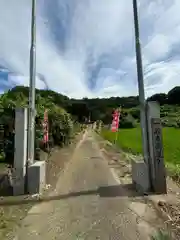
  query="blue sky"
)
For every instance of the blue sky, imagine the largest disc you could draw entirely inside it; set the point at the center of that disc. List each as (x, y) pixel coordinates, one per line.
(85, 48)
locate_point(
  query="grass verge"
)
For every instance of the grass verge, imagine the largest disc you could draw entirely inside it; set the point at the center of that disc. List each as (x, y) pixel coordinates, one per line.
(130, 140)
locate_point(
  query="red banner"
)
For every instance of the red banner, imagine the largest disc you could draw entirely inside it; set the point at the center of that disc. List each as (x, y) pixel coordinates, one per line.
(45, 127)
(115, 121)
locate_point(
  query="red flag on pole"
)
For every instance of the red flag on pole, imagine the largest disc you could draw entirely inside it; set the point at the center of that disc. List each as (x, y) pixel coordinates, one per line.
(45, 127)
(115, 121)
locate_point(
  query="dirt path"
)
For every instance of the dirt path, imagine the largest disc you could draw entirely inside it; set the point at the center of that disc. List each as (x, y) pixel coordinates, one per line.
(88, 203)
(13, 208)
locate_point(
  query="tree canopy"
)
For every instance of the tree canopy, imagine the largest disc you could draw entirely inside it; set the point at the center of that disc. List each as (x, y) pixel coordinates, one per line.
(85, 109)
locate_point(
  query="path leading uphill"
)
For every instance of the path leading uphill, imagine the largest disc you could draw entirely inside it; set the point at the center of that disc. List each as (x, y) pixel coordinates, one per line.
(88, 204)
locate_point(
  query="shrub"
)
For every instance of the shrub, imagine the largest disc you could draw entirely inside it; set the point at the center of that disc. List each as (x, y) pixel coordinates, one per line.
(60, 126)
(178, 123)
(127, 122)
(60, 123)
(135, 112)
(169, 123)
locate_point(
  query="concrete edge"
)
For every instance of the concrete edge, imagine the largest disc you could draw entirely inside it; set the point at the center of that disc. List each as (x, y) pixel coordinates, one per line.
(149, 200)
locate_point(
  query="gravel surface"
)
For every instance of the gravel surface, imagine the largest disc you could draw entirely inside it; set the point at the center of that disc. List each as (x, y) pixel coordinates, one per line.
(88, 203)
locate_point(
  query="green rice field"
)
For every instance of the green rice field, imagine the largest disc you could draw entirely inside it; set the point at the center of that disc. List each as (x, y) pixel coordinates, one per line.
(130, 140)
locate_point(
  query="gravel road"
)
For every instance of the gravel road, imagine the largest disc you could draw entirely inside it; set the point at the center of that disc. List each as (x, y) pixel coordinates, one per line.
(89, 204)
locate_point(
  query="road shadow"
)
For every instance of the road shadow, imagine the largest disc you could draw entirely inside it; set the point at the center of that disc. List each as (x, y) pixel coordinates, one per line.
(123, 190)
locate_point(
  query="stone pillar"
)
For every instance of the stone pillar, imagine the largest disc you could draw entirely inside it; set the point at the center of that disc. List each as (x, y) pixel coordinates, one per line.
(157, 167)
(37, 177)
(20, 155)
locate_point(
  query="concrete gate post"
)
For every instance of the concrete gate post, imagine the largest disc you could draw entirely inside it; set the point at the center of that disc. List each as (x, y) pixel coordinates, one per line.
(152, 176)
(157, 166)
(20, 155)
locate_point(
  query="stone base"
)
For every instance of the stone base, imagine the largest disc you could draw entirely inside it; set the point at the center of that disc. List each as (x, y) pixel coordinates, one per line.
(18, 187)
(17, 182)
(37, 177)
(140, 176)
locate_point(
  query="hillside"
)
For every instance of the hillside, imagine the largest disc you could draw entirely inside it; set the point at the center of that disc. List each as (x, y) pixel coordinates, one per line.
(96, 109)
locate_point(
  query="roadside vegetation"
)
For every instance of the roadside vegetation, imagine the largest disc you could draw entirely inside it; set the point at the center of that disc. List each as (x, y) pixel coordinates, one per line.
(62, 126)
(160, 235)
(67, 115)
(130, 140)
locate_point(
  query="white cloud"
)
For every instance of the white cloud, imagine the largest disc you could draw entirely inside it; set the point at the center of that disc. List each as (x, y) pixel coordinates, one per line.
(93, 29)
(24, 80)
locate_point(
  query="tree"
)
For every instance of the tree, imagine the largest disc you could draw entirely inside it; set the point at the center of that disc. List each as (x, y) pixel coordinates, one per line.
(82, 109)
(174, 96)
(161, 98)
